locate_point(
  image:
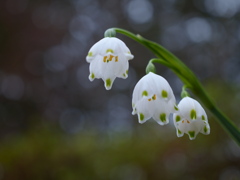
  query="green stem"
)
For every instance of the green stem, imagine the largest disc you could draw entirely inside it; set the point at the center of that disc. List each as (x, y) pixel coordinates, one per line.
(227, 124)
(188, 78)
(184, 92)
(173, 68)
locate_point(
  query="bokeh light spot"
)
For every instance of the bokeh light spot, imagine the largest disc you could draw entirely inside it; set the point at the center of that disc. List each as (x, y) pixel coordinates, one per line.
(222, 8)
(198, 29)
(140, 11)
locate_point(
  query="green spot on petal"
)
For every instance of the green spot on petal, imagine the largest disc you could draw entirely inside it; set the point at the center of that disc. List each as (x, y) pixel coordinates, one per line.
(203, 118)
(179, 132)
(175, 107)
(193, 114)
(109, 50)
(205, 129)
(178, 118)
(92, 76)
(141, 117)
(191, 134)
(163, 117)
(164, 94)
(90, 54)
(108, 82)
(126, 71)
(144, 93)
(124, 75)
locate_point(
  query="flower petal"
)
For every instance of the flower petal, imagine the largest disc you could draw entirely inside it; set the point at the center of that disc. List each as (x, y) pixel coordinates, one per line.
(179, 133)
(95, 50)
(162, 112)
(206, 129)
(96, 67)
(145, 109)
(108, 83)
(185, 106)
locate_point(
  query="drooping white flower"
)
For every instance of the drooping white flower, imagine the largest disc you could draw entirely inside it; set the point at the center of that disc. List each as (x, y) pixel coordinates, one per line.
(190, 118)
(108, 59)
(153, 97)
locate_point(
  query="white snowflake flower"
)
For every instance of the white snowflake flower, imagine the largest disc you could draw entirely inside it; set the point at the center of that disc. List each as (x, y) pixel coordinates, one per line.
(153, 97)
(190, 118)
(108, 59)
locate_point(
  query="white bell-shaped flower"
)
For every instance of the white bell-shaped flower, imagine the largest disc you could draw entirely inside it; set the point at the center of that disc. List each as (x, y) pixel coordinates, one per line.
(153, 97)
(190, 118)
(108, 59)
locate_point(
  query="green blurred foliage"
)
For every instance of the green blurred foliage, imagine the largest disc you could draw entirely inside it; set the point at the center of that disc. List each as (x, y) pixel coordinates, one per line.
(150, 152)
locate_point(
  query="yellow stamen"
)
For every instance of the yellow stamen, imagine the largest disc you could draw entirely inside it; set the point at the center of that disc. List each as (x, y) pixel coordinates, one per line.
(154, 97)
(105, 59)
(116, 59)
(110, 58)
(149, 99)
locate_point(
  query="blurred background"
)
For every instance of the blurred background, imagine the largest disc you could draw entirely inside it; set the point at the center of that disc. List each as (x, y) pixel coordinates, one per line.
(57, 125)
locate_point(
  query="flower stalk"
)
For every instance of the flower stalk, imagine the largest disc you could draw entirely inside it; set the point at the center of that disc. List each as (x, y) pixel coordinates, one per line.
(187, 77)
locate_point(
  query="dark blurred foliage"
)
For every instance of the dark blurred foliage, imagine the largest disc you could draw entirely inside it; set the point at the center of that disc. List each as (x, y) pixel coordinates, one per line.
(56, 124)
